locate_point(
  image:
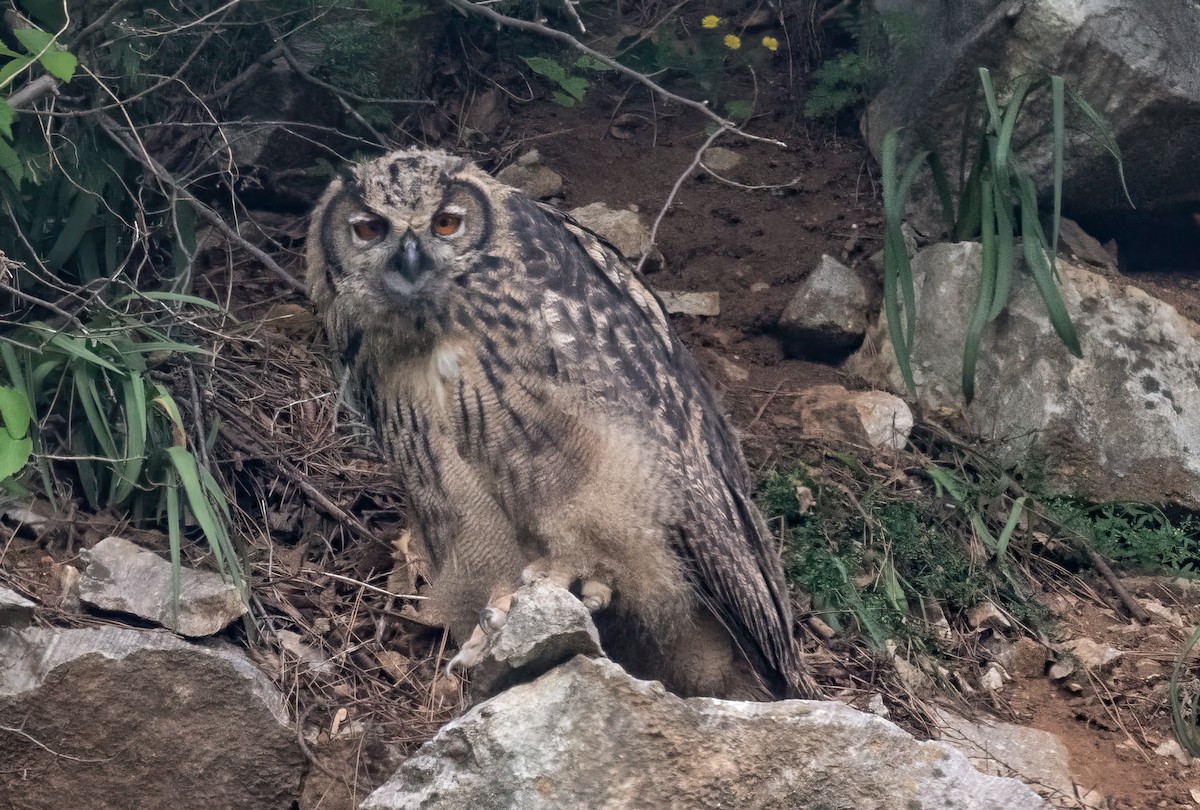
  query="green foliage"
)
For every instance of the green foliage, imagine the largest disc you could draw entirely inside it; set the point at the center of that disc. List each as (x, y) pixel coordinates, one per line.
(874, 46)
(569, 77)
(1136, 534)
(16, 447)
(871, 571)
(997, 204)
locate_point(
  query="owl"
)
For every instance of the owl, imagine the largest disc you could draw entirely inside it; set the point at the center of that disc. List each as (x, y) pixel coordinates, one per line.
(546, 422)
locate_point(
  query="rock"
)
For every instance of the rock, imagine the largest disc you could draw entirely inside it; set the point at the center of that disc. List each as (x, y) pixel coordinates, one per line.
(986, 616)
(539, 182)
(125, 577)
(877, 707)
(1092, 655)
(623, 228)
(1123, 423)
(873, 419)
(1081, 246)
(1156, 607)
(587, 735)
(691, 303)
(721, 160)
(827, 317)
(992, 679)
(15, 610)
(1134, 62)
(1023, 658)
(140, 718)
(1036, 757)
(1172, 748)
(1061, 670)
(546, 626)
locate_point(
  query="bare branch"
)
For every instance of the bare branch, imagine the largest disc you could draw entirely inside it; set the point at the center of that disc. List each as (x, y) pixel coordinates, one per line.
(164, 177)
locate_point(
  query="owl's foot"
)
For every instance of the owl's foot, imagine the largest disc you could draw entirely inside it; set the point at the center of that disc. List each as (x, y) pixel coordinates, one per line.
(594, 594)
(491, 619)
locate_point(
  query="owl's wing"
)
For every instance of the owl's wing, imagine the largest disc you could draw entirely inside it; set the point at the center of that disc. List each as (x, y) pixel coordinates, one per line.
(629, 357)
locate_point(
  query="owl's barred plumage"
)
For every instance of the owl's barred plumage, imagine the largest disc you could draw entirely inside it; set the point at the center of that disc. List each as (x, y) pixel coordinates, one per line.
(539, 409)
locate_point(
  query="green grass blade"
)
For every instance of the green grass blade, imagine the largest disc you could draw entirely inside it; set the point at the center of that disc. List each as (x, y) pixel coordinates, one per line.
(1005, 250)
(126, 475)
(983, 300)
(75, 347)
(170, 297)
(1041, 269)
(1003, 148)
(1010, 526)
(88, 393)
(897, 271)
(1059, 142)
(989, 95)
(1102, 133)
(210, 524)
(83, 210)
(944, 481)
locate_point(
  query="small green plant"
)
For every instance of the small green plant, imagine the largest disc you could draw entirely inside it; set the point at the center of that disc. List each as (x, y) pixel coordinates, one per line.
(571, 78)
(16, 446)
(121, 433)
(997, 204)
(872, 570)
(1136, 534)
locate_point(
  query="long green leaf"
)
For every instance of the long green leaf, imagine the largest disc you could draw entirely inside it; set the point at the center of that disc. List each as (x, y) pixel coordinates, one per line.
(1003, 148)
(1010, 526)
(983, 299)
(1059, 141)
(1040, 268)
(989, 94)
(79, 219)
(202, 510)
(1102, 133)
(174, 538)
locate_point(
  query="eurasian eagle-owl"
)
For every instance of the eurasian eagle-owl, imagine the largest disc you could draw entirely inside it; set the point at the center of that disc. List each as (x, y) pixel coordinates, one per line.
(546, 421)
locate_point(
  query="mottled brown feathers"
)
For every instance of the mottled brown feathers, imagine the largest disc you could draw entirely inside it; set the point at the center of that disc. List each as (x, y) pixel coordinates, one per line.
(529, 390)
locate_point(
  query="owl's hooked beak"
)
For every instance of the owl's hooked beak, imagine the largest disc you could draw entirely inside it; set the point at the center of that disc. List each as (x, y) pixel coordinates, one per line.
(410, 261)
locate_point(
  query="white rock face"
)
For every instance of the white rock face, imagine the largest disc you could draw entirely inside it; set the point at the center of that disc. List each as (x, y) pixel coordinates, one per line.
(1122, 423)
(114, 717)
(1134, 61)
(122, 576)
(586, 735)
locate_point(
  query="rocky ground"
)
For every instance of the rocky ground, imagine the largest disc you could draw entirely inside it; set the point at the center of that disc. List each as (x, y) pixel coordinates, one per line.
(361, 674)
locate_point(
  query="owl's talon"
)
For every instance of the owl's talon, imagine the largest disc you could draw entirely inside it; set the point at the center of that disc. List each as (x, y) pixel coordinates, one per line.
(595, 595)
(491, 619)
(471, 653)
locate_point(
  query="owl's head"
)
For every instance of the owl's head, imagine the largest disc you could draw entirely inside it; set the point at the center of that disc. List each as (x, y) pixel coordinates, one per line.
(394, 236)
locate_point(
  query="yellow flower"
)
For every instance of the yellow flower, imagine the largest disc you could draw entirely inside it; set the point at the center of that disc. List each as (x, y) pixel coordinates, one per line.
(732, 42)
(711, 21)
(771, 44)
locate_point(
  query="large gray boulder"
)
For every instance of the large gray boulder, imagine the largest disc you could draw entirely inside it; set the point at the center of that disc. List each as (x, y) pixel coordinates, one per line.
(1136, 62)
(115, 718)
(1121, 423)
(587, 735)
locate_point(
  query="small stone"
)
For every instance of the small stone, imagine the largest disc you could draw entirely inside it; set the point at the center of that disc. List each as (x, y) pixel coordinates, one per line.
(1172, 748)
(1023, 658)
(539, 182)
(624, 229)
(877, 706)
(873, 419)
(530, 158)
(125, 577)
(759, 286)
(691, 303)
(992, 679)
(827, 317)
(1160, 610)
(1061, 669)
(546, 626)
(1034, 756)
(986, 616)
(721, 160)
(306, 654)
(1092, 655)
(15, 610)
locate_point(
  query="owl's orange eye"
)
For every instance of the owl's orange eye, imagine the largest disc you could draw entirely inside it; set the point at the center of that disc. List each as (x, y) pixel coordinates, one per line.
(368, 229)
(446, 224)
